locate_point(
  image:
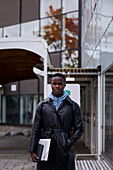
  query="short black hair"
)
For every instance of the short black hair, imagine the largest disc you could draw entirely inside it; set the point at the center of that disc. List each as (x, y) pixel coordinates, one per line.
(59, 75)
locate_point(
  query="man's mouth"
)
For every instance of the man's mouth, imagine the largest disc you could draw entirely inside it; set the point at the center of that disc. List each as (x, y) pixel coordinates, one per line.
(57, 90)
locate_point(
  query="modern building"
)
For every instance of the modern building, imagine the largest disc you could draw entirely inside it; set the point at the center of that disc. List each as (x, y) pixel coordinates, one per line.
(79, 37)
(57, 22)
(97, 42)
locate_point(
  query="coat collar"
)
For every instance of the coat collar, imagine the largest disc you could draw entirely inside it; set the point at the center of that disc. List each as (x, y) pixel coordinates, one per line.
(48, 100)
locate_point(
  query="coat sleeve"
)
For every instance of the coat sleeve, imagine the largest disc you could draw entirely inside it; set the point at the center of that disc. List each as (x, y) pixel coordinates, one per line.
(78, 125)
(36, 129)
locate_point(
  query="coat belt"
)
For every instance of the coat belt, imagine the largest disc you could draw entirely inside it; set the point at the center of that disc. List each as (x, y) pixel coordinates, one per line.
(55, 130)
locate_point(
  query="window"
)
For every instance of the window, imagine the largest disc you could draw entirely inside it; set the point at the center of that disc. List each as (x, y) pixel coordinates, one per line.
(28, 105)
(51, 32)
(70, 31)
(12, 108)
(12, 31)
(108, 148)
(56, 21)
(70, 59)
(19, 109)
(30, 29)
(70, 5)
(50, 5)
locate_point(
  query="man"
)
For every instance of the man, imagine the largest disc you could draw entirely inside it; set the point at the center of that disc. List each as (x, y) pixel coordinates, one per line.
(55, 118)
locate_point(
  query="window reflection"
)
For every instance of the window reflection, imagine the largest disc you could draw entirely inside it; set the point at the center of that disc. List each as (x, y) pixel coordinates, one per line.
(48, 5)
(109, 113)
(28, 105)
(30, 29)
(70, 59)
(12, 31)
(70, 31)
(51, 32)
(70, 5)
(58, 25)
(107, 40)
(19, 109)
(97, 33)
(12, 107)
(0, 32)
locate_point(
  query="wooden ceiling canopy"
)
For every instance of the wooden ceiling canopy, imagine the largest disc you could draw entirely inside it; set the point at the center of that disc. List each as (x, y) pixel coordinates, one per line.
(17, 64)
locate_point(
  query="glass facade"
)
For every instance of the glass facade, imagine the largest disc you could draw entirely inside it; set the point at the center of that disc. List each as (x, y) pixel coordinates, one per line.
(12, 31)
(31, 27)
(70, 31)
(97, 43)
(47, 5)
(108, 139)
(51, 32)
(70, 61)
(97, 33)
(59, 27)
(19, 109)
(58, 24)
(70, 5)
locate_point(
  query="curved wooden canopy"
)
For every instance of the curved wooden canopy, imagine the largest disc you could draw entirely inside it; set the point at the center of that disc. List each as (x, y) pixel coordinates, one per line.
(17, 64)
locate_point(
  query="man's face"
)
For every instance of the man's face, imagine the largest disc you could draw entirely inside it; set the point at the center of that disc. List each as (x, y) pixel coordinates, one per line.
(57, 85)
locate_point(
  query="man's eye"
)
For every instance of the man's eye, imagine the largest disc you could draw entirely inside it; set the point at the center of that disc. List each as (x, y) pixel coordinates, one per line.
(54, 84)
(57, 83)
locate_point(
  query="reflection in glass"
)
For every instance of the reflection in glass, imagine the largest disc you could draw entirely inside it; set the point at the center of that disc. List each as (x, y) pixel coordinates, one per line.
(97, 33)
(19, 109)
(70, 5)
(30, 29)
(56, 59)
(27, 108)
(70, 59)
(106, 57)
(50, 5)
(107, 40)
(109, 113)
(12, 31)
(12, 108)
(0, 32)
(51, 32)
(96, 27)
(70, 31)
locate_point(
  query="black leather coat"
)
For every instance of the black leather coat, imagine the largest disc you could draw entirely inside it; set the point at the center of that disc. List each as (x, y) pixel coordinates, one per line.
(64, 127)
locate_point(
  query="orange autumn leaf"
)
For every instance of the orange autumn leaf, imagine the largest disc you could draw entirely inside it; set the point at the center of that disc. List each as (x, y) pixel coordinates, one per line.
(52, 33)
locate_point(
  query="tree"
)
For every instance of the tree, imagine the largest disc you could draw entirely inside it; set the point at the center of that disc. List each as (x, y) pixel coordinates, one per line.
(52, 34)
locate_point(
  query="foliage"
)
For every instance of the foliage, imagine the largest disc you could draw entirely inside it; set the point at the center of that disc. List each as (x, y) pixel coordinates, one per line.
(52, 34)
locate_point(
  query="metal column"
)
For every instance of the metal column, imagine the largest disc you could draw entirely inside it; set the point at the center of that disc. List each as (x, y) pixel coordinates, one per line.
(99, 114)
(92, 111)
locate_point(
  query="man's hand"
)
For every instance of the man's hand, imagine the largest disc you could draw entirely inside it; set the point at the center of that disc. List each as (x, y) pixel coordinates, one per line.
(34, 157)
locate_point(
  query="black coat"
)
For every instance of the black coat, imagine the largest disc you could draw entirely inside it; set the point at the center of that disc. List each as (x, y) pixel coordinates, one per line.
(47, 124)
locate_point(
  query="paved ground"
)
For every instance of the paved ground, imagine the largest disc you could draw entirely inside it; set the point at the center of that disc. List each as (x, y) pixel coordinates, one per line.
(14, 153)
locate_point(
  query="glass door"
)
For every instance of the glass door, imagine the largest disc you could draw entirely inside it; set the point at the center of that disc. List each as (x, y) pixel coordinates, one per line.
(12, 109)
(108, 114)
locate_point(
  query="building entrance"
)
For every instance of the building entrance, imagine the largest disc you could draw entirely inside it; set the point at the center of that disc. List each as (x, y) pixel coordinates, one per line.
(90, 103)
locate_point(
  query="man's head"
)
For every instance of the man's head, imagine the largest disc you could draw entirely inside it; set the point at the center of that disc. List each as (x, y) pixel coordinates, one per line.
(58, 83)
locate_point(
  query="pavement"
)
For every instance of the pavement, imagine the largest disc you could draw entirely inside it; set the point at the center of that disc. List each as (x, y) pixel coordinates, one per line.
(14, 153)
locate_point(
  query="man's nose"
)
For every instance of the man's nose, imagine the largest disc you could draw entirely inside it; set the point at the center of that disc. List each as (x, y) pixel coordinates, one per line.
(57, 85)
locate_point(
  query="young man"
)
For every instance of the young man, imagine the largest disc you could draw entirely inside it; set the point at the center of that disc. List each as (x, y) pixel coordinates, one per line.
(55, 118)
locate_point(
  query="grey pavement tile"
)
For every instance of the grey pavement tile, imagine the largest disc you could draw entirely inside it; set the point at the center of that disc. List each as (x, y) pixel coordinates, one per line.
(2, 163)
(14, 153)
(17, 164)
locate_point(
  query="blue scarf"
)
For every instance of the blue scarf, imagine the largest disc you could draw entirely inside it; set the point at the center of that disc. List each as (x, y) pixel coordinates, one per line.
(57, 101)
